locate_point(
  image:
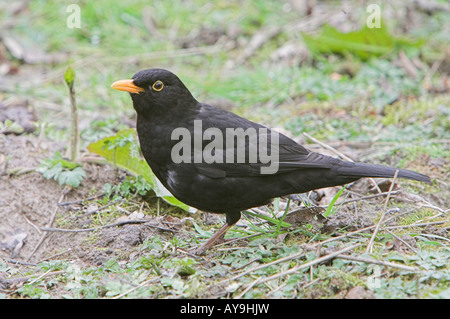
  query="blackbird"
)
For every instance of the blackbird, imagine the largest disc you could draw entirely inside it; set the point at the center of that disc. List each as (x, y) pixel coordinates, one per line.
(219, 162)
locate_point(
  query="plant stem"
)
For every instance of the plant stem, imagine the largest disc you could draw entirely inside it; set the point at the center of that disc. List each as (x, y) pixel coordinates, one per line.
(74, 132)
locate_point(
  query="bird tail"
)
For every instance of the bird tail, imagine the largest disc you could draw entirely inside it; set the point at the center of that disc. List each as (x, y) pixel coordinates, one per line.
(356, 170)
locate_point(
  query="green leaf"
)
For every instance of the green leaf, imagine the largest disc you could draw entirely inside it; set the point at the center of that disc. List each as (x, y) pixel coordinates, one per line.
(330, 211)
(122, 151)
(278, 222)
(364, 43)
(69, 77)
(203, 233)
(61, 170)
(50, 171)
(71, 177)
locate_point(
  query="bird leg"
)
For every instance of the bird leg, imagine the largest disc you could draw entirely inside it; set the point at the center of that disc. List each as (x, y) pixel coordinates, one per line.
(232, 219)
(217, 236)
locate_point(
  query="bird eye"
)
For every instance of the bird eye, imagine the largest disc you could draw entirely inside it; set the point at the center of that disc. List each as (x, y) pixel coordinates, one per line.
(158, 86)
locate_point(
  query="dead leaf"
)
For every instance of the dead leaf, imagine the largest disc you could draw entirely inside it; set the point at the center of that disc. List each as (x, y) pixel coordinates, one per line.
(345, 219)
(409, 197)
(335, 76)
(306, 215)
(291, 53)
(14, 47)
(136, 215)
(18, 111)
(28, 52)
(384, 185)
(404, 245)
(13, 241)
(326, 195)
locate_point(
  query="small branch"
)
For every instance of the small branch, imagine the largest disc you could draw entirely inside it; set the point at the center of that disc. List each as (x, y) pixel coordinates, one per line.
(328, 147)
(294, 256)
(257, 281)
(80, 201)
(52, 219)
(372, 239)
(135, 288)
(309, 264)
(367, 197)
(417, 225)
(161, 228)
(18, 262)
(377, 262)
(401, 240)
(63, 230)
(56, 255)
(15, 281)
(370, 261)
(17, 171)
(104, 207)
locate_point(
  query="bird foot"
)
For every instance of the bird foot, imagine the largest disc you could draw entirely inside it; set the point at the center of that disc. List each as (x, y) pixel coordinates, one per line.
(218, 237)
(201, 250)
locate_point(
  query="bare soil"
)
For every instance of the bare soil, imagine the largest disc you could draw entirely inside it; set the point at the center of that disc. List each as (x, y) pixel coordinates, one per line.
(29, 202)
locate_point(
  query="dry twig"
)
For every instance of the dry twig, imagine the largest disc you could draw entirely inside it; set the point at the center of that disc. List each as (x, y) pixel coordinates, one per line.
(309, 264)
(372, 239)
(65, 191)
(63, 230)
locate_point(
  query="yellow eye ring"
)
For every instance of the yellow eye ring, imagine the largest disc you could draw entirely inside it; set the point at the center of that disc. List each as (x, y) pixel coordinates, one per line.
(158, 86)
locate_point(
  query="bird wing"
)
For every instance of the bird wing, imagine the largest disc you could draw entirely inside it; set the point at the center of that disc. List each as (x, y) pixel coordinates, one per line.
(273, 150)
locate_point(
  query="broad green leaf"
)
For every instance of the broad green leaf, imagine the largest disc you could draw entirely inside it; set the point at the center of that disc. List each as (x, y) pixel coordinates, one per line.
(364, 43)
(62, 171)
(73, 177)
(121, 150)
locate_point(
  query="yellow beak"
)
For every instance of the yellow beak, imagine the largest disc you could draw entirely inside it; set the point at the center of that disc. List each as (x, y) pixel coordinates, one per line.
(127, 85)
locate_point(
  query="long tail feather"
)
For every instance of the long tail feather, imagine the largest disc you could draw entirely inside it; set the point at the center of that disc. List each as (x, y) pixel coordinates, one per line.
(371, 170)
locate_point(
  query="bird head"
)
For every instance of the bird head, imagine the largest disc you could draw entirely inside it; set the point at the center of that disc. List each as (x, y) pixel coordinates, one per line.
(156, 90)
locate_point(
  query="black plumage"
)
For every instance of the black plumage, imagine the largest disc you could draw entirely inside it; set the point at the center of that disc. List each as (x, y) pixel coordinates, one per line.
(228, 184)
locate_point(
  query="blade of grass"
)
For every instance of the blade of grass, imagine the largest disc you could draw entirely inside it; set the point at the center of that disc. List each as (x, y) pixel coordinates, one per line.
(329, 211)
(269, 219)
(281, 220)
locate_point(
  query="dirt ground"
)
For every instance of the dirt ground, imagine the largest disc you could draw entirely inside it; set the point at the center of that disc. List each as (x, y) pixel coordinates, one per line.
(29, 202)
